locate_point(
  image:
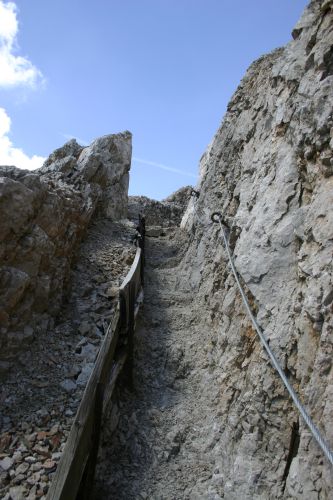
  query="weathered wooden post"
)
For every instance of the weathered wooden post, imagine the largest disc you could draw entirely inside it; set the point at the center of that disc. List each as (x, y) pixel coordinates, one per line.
(87, 481)
(142, 231)
(130, 334)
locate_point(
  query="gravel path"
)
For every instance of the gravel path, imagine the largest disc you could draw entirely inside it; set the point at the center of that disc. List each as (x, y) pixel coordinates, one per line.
(163, 447)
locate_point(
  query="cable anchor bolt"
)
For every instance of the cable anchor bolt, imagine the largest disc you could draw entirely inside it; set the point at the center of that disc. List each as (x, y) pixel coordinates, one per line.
(216, 217)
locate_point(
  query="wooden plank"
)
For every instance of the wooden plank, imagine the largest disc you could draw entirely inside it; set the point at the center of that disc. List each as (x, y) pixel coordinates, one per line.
(124, 291)
(130, 335)
(116, 369)
(79, 445)
(71, 466)
(133, 270)
(86, 485)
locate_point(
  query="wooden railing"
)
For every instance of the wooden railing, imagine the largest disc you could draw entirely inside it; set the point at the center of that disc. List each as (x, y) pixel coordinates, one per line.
(75, 472)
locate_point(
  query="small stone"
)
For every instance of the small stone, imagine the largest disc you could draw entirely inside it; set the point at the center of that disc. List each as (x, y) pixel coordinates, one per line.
(22, 448)
(17, 457)
(55, 441)
(41, 435)
(30, 460)
(5, 441)
(84, 328)
(95, 333)
(17, 492)
(89, 353)
(42, 450)
(154, 231)
(36, 467)
(32, 493)
(6, 463)
(54, 430)
(32, 437)
(112, 292)
(19, 478)
(74, 371)
(80, 344)
(34, 478)
(68, 385)
(22, 468)
(49, 464)
(43, 486)
(56, 456)
(85, 374)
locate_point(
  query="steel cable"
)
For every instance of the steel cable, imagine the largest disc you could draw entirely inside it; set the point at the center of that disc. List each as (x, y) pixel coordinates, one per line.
(314, 430)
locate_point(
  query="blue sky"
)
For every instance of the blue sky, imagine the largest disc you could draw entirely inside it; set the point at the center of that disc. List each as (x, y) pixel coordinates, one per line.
(163, 69)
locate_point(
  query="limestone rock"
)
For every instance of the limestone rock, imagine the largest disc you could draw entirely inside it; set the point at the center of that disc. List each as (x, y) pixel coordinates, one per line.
(106, 162)
(6, 463)
(43, 216)
(165, 213)
(268, 170)
(180, 197)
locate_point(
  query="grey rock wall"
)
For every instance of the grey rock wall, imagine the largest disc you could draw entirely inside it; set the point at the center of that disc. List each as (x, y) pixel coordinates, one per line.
(43, 216)
(269, 171)
(168, 212)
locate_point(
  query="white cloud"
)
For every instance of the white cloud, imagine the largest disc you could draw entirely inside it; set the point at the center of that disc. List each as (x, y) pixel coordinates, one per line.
(164, 167)
(9, 155)
(14, 69)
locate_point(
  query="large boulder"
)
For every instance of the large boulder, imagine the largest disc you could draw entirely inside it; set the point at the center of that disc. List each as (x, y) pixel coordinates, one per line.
(106, 162)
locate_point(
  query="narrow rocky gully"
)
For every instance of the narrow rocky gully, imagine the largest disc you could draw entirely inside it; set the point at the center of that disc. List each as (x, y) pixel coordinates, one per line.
(160, 449)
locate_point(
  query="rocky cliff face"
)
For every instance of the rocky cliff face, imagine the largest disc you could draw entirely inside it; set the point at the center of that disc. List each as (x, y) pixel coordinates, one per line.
(43, 216)
(165, 213)
(269, 171)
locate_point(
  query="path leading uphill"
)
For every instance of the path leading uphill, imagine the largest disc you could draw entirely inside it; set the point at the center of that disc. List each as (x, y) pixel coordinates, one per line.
(36, 414)
(163, 447)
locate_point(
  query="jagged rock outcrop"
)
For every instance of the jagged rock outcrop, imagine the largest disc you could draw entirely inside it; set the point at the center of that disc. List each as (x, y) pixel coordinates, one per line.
(181, 197)
(168, 212)
(269, 171)
(43, 216)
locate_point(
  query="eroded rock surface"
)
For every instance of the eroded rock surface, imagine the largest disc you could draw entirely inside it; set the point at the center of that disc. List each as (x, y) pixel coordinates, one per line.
(165, 213)
(269, 171)
(43, 216)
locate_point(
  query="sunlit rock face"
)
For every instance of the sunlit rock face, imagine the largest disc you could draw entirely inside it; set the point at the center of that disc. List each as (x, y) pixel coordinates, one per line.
(43, 216)
(269, 171)
(100, 170)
